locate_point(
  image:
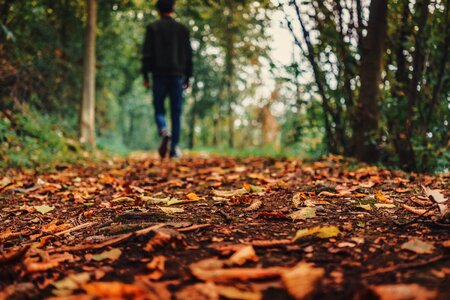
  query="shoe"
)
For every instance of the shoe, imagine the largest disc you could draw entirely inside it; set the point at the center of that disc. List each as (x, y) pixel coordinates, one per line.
(175, 153)
(164, 143)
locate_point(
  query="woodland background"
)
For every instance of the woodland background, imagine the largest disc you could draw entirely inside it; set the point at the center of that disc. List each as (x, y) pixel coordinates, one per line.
(368, 79)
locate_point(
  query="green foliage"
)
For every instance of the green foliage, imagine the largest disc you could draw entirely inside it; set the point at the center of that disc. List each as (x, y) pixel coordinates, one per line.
(29, 139)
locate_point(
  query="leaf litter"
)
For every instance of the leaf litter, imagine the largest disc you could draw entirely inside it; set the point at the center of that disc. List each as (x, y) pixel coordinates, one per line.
(219, 227)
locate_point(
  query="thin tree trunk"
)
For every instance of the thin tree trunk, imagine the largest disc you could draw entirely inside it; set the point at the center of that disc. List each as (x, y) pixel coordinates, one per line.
(87, 113)
(441, 73)
(192, 121)
(229, 75)
(331, 144)
(367, 116)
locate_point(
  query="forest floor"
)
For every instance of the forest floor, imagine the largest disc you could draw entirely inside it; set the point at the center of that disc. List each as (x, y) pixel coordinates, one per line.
(224, 228)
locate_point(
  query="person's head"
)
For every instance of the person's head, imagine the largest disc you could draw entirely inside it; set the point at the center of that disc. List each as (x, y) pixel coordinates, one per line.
(165, 6)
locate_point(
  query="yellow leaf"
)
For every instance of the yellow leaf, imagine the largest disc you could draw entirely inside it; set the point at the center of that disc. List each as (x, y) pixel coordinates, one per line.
(303, 214)
(232, 193)
(382, 198)
(113, 255)
(322, 232)
(193, 196)
(43, 209)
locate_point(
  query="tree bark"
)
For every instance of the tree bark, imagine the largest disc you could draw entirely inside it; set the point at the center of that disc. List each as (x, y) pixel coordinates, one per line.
(192, 121)
(229, 74)
(441, 73)
(367, 111)
(87, 113)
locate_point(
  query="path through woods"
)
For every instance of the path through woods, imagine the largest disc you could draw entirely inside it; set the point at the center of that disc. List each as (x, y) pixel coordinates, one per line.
(224, 228)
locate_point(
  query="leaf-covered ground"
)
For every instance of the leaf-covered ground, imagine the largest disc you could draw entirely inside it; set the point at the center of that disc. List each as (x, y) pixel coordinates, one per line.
(224, 228)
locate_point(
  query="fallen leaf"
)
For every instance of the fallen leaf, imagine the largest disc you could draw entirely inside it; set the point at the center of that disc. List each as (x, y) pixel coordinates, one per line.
(232, 193)
(384, 205)
(71, 282)
(112, 255)
(193, 196)
(157, 266)
(5, 182)
(380, 197)
(116, 290)
(163, 237)
(231, 292)
(329, 194)
(403, 292)
(122, 200)
(43, 209)
(246, 253)
(322, 232)
(199, 291)
(171, 210)
(299, 198)
(153, 200)
(418, 211)
(364, 206)
(253, 188)
(255, 205)
(301, 280)
(418, 246)
(174, 201)
(303, 214)
(211, 269)
(52, 227)
(440, 200)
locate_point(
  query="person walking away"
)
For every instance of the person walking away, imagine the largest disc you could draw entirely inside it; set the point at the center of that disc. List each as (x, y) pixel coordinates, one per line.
(167, 55)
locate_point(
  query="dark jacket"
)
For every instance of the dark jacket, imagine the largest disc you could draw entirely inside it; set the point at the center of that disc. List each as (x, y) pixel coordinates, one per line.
(167, 49)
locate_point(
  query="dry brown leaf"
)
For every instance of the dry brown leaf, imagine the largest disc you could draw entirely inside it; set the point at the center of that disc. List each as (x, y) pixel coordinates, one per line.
(418, 246)
(299, 198)
(212, 270)
(157, 266)
(403, 292)
(440, 200)
(301, 280)
(382, 198)
(193, 197)
(243, 255)
(418, 211)
(271, 243)
(231, 292)
(199, 291)
(164, 237)
(116, 290)
(52, 227)
(255, 205)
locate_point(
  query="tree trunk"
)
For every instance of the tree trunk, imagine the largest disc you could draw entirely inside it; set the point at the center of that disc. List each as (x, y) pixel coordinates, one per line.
(229, 75)
(87, 113)
(192, 121)
(367, 111)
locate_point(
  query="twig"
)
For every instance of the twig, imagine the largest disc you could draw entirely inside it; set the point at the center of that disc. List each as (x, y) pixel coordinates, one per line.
(415, 219)
(107, 243)
(82, 226)
(404, 266)
(193, 227)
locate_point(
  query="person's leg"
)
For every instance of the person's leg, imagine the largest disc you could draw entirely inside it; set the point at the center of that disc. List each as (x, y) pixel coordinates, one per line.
(176, 107)
(159, 95)
(160, 89)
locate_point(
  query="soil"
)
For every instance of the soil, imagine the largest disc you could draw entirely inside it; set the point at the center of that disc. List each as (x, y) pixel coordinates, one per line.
(92, 205)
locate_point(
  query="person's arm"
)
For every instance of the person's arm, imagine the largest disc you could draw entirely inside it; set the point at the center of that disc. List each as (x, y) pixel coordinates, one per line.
(147, 56)
(189, 64)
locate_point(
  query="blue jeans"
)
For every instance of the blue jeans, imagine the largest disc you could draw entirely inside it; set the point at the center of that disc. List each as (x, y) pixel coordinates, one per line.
(172, 86)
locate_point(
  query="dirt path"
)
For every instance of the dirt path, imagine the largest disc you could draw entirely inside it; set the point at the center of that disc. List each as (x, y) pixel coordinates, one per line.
(223, 228)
